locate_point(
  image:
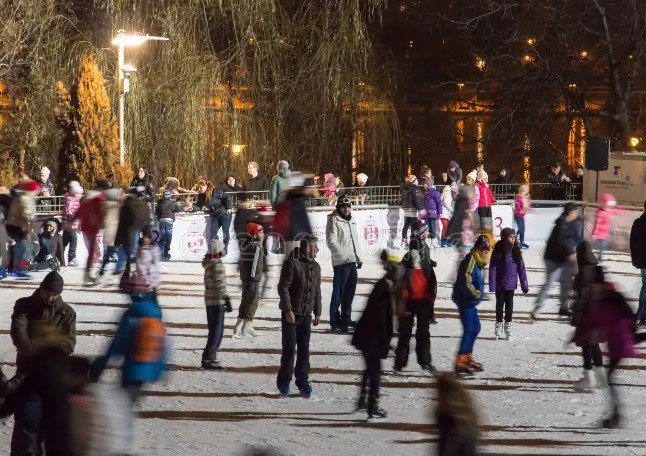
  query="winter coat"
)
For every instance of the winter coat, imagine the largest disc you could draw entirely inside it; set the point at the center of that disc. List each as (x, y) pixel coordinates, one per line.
(133, 217)
(252, 260)
(244, 216)
(474, 201)
(291, 220)
(603, 218)
(219, 203)
(46, 186)
(485, 195)
(342, 239)
(522, 205)
(374, 330)
(215, 285)
(111, 208)
(561, 243)
(460, 210)
(455, 176)
(21, 212)
(582, 285)
(504, 270)
(167, 208)
(638, 242)
(260, 183)
(32, 309)
(279, 187)
(148, 265)
(412, 197)
(299, 287)
(72, 205)
(91, 213)
(147, 183)
(468, 288)
(140, 339)
(433, 203)
(419, 257)
(448, 203)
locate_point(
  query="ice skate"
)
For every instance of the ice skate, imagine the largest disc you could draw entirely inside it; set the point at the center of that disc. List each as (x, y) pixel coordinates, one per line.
(587, 383)
(374, 411)
(612, 422)
(507, 330)
(600, 377)
(463, 367)
(208, 364)
(305, 391)
(237, 331)
(475, 365)
(564, 312)
(498, 330)
(248, 330)
(362, 403)
(429, 369)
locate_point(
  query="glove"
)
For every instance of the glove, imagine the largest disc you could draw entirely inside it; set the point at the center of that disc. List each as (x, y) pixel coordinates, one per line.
(227, 304)
(359, 264)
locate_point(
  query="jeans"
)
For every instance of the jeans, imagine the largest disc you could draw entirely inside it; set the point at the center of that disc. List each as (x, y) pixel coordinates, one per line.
(470, 327)
(641, 310)
(504, 300)
(19, 252)
(344, 285)
(602, 244)
(371, 380)
(108, 251)
(520, 224)
(215, 321)
(224, 222)
(70, 237)
(565, 272)
(28, 435)
(296, 342)
(45, 250)
(165, 236)
(408, 223)
(420, 309)
(432, 227)
(4, 246)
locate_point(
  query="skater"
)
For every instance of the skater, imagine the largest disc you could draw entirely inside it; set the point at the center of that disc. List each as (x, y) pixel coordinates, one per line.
(448, 205)
(522, 205)
(217, 303)
(148, 261)
(587, 275)
(433, 210)
(460, 221)
(638, 257)
(560, 259)
(299, 289)
(165, 211)
(343, 241)
(21, 211)
(46, 256)
(91, 216)
(456, 417)
(412, 202)
(468, 291)
(220, 208)
(291, 221)
(111, 208)
(420, 293)
(70, 222)
(505, 268)
(603, 222)
(486, 200)
(472, 225)
(252, 260)
(374, 331)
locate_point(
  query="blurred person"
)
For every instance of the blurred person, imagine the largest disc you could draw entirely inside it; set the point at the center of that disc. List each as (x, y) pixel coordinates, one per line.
(257, 184)
(522, 205)
(220, 208)
(506, 267)
(638, 258)
(299, 289)
(486, 200)
(374, 331)
(420, 292)
(279, 187)
(456, 417)
(114, 198)
(21, 211)
(252, 260)
(217, 302)
(112, 180)
(425, 173)
(70, 221)
(148, 261)
(448, 205)
(329, 189)
(342, 239)
(166, 210)
(455, 173)
(472, 224)
(145, 180)
(292, 221)
(560, 260)
(433, 210)
(468, 291)
(460, 221)
(46, 256)
(133, 219)
(606, 211)
(412, 201)
(90, 214)
(362, 180)
(5, 203)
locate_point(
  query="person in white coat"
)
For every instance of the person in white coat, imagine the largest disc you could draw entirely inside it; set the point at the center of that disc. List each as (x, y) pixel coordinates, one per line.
(448, 205)
(343, 241)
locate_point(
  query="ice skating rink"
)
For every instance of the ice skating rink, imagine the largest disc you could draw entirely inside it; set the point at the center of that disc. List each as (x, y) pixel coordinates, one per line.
(525, 395)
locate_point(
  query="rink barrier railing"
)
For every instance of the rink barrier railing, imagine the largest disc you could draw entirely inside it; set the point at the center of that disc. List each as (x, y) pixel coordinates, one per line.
(374, 195)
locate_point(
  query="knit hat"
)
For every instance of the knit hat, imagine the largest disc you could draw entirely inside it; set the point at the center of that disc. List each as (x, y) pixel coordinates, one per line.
(75, 188)
(483, 175)
(253, 229)
(53, 283)
(472, 175)
(361, 177)
(216, 247)
(344, 201)
(45, 171)
(29, 186)
(482, 243)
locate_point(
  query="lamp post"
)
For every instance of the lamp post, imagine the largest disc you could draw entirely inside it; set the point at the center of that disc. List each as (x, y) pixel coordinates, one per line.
(123, 40)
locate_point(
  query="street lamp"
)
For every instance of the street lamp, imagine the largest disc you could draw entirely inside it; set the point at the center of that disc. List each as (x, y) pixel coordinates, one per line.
(123, 40)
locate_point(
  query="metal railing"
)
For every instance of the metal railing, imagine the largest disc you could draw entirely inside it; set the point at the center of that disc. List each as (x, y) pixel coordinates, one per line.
(375, 195)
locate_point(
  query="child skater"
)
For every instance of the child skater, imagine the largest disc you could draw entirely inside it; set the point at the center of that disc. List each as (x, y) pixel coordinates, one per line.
(505, 268)
(148, 261)
(603, 222)
(522, 205)
(468, 291)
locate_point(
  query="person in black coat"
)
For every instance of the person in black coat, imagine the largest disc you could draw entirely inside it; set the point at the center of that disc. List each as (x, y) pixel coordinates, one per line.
(412, 201)
(145, 180)
(220, 208)
(133, 219)
(638, 257)
(374, 331)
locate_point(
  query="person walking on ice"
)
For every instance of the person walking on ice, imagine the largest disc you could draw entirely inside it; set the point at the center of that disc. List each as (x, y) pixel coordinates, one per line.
(252, 260)
(505, 268)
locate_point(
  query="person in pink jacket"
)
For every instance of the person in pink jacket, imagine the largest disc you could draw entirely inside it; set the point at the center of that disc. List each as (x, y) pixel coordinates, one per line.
(603, 222)
(471, 223)
(522, 205)
(70, 222)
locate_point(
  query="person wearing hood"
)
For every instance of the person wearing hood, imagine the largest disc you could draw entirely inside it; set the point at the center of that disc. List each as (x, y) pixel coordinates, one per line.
(587, 275)
(468, 291)
(455, 172)
(412, 201)
(505, 268)
(448, 206)
(21, 212)
(166, 210)
(279, 186)
(342, 239)
(374, 331)
(560, 259)
(70, 222)
(638, 258)
(603, 222)
(299, 289)
(231, 185)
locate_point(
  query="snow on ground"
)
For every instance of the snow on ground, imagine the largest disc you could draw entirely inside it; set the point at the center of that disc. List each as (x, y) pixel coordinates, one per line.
(525, 395)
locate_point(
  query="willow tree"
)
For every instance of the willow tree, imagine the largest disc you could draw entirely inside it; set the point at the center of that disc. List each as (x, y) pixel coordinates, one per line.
(286, 79)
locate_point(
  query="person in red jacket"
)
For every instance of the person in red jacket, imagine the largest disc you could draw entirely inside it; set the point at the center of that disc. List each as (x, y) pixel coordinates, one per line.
(485, 202)
(91, 216)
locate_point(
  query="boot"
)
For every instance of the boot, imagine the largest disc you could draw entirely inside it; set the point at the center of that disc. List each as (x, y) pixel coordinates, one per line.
(564, 312)
(475, 365)
(462, 366)
(248, 330)
(508, 330)
(600, 376)
(237, 331)
(586, 384)
(362, 403)
(498, 330)
(374, 412)
(613, 422)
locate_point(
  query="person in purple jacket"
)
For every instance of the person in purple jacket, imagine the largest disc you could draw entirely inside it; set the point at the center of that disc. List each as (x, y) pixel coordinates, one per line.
(505, 268)
(433, 209)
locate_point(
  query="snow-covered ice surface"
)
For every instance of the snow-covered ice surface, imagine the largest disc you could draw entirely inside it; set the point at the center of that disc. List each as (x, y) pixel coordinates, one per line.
(525, 395)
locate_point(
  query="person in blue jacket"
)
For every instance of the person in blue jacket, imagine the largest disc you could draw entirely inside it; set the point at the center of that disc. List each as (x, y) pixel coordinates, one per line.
(468, 291)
